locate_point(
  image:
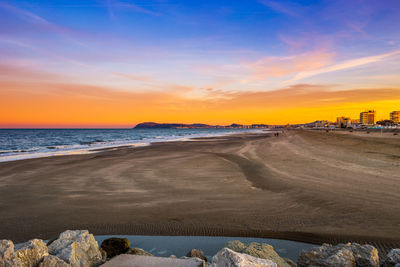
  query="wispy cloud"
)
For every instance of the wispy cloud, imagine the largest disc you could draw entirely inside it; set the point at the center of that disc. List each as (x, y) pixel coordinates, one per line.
(345, 65)
(27, 15)
(284, 7)
(38, 23)
(23, 71)
(111, 5)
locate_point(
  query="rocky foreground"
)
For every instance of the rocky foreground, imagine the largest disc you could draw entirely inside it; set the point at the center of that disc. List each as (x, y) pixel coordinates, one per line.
(80, 249)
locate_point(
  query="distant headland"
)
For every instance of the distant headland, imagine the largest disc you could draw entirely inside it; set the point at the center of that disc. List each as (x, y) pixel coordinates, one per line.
(153, 125)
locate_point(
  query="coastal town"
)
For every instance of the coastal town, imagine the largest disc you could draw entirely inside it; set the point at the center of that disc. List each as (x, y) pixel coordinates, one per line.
(367, 120)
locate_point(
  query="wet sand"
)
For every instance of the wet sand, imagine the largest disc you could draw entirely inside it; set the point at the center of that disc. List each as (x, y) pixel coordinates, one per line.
(309, 186)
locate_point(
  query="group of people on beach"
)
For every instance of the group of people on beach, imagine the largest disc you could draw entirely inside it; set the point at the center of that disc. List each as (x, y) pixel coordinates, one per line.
(276, 134)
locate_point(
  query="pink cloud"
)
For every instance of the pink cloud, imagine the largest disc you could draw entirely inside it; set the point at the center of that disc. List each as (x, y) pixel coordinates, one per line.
(269, 67)
(352, 63)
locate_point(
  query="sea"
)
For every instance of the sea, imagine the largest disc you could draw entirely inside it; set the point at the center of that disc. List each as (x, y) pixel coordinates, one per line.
(17, 144)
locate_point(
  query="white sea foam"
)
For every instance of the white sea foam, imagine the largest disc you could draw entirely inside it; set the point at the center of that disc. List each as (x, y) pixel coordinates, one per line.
(96, 146)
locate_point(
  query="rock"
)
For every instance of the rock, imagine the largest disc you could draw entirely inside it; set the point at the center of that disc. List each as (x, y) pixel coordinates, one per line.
(258, 250)
(229, 258)
(6, 249)
(350, 254)
(103, 255)
(197, 253)
(326, 255)
(78, 248)
(53, 261)
(115, 246)
(31, 253)
(125, 260)
(365, 255)
(187, 258)
(290, 262)
(13, 262)
(138, 251)
(235, 245)
(51, 241)
(392, 258)
(7, 256)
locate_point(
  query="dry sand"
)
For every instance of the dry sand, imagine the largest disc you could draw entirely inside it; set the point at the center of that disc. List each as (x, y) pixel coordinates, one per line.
(386, 133)
(304, 185)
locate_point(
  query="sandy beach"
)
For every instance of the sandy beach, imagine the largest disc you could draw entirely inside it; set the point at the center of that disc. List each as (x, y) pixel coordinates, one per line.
(310, 186)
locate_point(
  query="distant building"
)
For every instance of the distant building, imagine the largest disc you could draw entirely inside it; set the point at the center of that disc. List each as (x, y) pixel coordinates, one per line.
(367, 117)
(321, 124)
(385, 123)
(355, 123)
(394, 116)
(259, 126)
(343, 122)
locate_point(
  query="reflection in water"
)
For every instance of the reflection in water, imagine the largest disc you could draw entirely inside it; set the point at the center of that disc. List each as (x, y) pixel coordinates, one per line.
(164, 246)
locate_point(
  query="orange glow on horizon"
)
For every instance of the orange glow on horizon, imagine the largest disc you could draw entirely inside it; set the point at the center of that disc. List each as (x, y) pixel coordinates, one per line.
(52, 105)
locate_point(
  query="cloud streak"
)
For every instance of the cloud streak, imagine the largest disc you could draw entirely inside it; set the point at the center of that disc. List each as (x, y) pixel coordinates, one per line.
(349, 64)
(287, 8)
(111, 5)
(27, 15)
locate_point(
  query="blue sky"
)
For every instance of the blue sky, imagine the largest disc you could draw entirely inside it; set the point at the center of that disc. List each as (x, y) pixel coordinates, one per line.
(201, 50)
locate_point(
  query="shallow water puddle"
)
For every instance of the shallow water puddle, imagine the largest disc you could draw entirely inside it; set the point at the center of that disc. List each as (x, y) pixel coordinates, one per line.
(164, 246)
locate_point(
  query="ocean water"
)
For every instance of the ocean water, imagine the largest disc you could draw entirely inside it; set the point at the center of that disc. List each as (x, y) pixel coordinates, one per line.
(16, 144)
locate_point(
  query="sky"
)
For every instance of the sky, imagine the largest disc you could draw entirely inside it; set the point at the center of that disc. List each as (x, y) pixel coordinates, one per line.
(116, 63)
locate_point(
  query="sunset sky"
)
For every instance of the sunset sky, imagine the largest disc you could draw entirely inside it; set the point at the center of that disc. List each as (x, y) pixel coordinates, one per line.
(111, 63)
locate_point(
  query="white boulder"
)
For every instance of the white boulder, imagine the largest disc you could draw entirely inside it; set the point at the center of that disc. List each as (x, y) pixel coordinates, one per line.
(259, 250)
(229, 258)
(78, 248)
(126, 260)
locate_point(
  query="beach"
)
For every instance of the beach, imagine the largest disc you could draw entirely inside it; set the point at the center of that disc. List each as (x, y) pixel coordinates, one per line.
(311, 186)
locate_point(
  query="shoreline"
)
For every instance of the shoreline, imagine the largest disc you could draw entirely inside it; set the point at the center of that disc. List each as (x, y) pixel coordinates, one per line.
(210, 188)
(90, 149)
